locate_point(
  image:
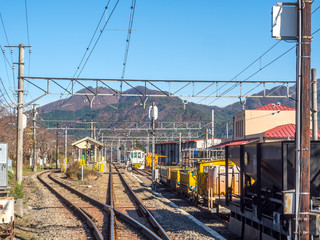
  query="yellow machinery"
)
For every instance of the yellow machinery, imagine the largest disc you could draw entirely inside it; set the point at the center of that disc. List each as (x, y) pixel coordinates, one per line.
(201, 171)
(165, 173)
(149, 159)
(188, 183)
(175, 178)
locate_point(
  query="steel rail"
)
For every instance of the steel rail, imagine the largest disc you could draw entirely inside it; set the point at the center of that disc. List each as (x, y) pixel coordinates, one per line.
(144, 210)
(111, 230)
(97, 234)
(147, 232)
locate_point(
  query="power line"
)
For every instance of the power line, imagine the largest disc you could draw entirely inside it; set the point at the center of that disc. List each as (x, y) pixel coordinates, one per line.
(94, 33)
(97, 40)
(254, 63)
(26, 9)
(268, 64)
(315, 31)
(86, 51)
(246, 68)
(133, 6)
(6, 91)
(315, 10)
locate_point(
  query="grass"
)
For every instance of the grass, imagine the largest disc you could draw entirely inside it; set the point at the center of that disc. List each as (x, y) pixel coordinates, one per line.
(16, 188)
(74, 173)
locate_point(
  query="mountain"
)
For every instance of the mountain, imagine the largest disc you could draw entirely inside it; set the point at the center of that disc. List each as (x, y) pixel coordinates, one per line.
(170, 108)
(76, 102)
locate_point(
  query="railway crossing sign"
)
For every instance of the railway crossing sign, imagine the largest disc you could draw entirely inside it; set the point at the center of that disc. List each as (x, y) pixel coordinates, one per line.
(82, 160)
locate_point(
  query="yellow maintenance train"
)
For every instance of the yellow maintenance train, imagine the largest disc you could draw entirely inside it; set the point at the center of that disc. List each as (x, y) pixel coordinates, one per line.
(201, 176)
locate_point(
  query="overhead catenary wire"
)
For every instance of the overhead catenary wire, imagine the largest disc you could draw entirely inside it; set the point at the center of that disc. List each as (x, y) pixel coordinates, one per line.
(246, 68)
(89, 45)
(28, 35)
(253, 64)
(97, 40)
(315, 10)
(133, 6)
(94, 33)
(11, 102)
(268, 64)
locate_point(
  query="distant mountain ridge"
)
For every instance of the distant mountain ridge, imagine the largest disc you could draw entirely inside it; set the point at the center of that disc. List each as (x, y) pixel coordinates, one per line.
(170, 108)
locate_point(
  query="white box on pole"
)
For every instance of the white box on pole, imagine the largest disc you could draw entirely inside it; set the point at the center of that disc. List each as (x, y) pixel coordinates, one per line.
(284, 22)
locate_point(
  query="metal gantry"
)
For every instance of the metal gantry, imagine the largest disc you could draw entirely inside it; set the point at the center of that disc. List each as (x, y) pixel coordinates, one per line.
(124, 125)
(159, 88)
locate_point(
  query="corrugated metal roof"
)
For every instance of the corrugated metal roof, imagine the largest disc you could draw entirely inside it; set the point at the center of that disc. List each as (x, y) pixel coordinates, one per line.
(237, 142)
(276, 107)
(184, 141)
(284, 131)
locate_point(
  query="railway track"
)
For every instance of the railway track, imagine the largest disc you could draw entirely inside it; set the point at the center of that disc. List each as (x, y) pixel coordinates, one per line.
(84, 210)
(216, 222)
(143, 173)
(127, 200)
(104, 221)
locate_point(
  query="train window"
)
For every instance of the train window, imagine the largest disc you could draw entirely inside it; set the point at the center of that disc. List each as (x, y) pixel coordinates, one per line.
(139, 155)
(135, 155)
(131, 155)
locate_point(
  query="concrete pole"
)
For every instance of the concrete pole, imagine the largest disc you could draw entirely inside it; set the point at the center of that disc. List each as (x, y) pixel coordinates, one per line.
(91, 129)
(118, 151)
(34, 163)
(206, 146)
(111, 148)
(57, 146)
(148, 143)
(19, 149)
(153, 145)
(227, 130)
(314, 104)
(212, 127)
(180, 157)
(65, 146)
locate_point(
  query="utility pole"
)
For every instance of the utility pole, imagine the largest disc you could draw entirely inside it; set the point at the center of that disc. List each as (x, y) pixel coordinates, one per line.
(206, 146)
(65, 147)
(111, 152)
(153, 145)
(118, 151)
(34, 163)
(180, 157)
(303, 122)
(91, 131)
(314, 104)
(19, 150)
(57, 145)
(212, 127)
(227, 130)
(148, 143)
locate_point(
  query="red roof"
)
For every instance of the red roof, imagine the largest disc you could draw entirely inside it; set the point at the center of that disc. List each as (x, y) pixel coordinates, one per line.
(192, 140)
(283, 131)
(276, 107)
(238, 142)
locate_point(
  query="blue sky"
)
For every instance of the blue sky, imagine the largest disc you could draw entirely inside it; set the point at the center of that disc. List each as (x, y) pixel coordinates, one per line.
(193, 40)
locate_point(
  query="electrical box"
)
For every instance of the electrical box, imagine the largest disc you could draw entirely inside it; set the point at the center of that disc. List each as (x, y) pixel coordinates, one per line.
(289, 202)
(284, 22)
(314, 223)
(3, 165)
